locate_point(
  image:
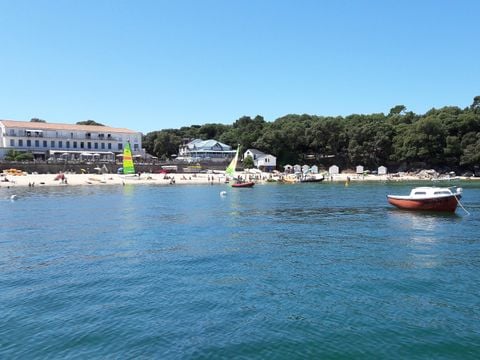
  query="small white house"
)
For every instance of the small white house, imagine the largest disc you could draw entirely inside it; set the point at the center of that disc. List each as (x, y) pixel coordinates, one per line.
(382, 170)
(262, 161)
(314, 169)
(305, 169)
(333, 170)
(359, 169)
(288, 169)
(297, 168)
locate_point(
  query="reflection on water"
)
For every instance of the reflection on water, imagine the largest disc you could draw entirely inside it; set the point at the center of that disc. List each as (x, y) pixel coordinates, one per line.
(270, 272)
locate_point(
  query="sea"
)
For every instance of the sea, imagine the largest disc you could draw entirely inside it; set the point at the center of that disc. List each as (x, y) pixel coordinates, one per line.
(303, 271)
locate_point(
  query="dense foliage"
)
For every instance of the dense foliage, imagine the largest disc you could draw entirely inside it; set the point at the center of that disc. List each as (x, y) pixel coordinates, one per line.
(89, 122)
(446, 138)
(14, 155)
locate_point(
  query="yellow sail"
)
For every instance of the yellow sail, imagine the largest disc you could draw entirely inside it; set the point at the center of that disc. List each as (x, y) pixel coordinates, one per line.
(230, 170)
(128, 167)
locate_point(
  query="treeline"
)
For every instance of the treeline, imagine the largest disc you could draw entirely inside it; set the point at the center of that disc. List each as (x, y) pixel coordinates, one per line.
(446, 138)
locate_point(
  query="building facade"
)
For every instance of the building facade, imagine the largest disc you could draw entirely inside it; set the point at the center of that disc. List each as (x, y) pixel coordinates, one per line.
(197, 149)
(51, 141)
(262, 161)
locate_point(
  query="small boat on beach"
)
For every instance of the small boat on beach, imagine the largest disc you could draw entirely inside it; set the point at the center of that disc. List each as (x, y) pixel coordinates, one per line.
(428, 199)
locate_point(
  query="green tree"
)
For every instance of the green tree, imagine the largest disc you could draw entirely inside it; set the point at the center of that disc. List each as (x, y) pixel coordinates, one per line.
(248, 162)
(14, 155)
(89, 122)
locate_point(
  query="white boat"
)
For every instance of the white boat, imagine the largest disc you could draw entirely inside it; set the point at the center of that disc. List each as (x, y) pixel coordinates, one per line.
(428, 198)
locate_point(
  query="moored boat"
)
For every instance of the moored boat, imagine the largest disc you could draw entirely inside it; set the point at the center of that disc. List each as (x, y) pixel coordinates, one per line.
(428, 199)
(311, 179)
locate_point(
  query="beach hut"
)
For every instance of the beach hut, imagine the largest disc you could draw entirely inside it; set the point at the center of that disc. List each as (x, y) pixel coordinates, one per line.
(297, 168)
(382, 170)
(314, 169)
(288, 168)
(359, 169)
(333, 170)
(305, 169)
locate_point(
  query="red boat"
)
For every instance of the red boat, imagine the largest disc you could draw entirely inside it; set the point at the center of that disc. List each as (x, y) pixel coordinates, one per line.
(243, 184)
(428, 199)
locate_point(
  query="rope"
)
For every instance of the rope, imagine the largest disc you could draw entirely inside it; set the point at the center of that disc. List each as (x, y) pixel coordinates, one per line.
(459, 203)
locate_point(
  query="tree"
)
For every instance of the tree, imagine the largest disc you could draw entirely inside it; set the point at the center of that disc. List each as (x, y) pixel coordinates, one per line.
(37, 120)
(397, 110)
(89, 122)
(14, 155)
(476, 103)
(248, 162)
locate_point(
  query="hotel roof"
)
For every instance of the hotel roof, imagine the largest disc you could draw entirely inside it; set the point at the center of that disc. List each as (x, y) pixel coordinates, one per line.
(32, 125)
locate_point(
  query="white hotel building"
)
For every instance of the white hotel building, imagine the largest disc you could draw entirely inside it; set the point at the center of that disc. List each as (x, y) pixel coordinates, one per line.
(49, 140)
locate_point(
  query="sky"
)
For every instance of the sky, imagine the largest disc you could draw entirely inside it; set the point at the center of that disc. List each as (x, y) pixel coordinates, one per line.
(149, 65)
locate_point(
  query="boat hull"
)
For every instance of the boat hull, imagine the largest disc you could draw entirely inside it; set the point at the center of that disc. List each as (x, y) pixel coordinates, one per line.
(312, 180)
(445, 203)
(243, 185)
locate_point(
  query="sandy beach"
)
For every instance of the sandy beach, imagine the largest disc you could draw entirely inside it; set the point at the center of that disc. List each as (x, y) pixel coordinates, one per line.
(9, 181)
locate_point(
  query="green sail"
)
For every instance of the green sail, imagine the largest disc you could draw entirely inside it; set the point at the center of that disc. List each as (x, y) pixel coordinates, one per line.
(230, 170)
(128, 167)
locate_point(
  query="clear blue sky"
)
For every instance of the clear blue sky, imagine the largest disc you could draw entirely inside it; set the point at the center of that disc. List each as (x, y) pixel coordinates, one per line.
(151, 65)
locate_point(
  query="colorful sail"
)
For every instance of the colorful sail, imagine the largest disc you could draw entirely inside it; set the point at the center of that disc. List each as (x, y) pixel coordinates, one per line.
(233, 164)
(128, 167)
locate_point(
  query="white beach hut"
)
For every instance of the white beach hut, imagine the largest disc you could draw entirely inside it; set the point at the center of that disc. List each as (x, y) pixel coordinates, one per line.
(314, 169)
(382, 170)
(333, 170)
(359, 169)
(288, 168)
(297, 168)
(305, 169)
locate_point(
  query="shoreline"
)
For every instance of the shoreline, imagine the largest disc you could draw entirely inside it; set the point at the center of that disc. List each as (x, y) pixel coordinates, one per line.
(186, 179)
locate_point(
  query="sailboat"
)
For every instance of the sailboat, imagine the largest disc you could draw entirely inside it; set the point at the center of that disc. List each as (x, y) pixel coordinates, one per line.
(230, 171)
(128, 167)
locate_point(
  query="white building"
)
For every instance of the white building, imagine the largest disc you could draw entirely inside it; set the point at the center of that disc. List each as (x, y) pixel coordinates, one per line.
(46, 140)
(333, 170)
(198, 149)
(262, 161)
(382, 170)
(359, 169)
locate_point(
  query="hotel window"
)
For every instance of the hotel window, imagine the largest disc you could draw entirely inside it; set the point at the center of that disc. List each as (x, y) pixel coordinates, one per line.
(82, 145)
(120, 146)
(60, 144)
(37, 143)
(109, 146)
(135, 147)
(103, 145)
(52, 144)
(45, 142)
(74, 144)
(20, 142)
(68, 144)
(12, 132)
(12, 142)
(71, 135)
(89, 145)
(29, 143)
(95, 145)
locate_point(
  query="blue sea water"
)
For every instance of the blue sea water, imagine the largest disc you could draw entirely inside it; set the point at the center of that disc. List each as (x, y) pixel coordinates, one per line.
(275, 272)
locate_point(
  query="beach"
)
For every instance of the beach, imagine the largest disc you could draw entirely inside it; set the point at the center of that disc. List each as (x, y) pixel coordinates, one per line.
(71, 179)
